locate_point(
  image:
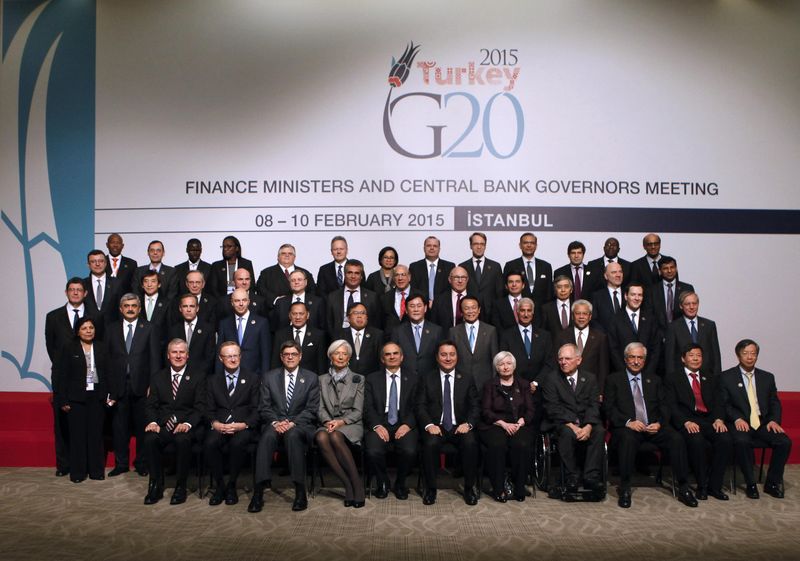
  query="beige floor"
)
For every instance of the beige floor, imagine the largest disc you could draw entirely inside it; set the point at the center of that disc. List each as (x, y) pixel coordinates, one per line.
(43, 517)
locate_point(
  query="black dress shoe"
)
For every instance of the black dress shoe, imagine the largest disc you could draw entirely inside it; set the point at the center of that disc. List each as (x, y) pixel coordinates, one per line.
(752, 492)
(774, 490)
(178, 496)
(82, 479)
(701, 494)
(401, 493)
(62, 472)
(154, 494)
(358, 504)
(300, 499)
(624, 500)
(382, 491)
(471, 497)
(100, 477)
(429, 497)
(687, 498)
(231, 496)
(217, 497)
(572, 484)
(257, 502)
(719, 495)
(118, 471)
(348, 503)
(499, 497)
(142, 472)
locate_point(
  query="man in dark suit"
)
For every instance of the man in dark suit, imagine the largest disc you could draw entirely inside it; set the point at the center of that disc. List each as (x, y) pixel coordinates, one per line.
(572, 403)
(476, 342)
(221, 279)
(118, 266)
(485, 275)
(538, 272)
(365, 340)
(417, 337)
(194, 249)
(584, 279)
(176, 405)
(692, 328)
(250, 331)
(448, 410)
(446, 310)
(394, 302)
(58, 330)
(591, 342)
(634, 324)
(610, 255)
(532, 347)
(330, 276)
(429, 275)
(557, 314)
(207, 305)
(755, 414)
(505, 308)
(339, 301)
(198, 334)
(608, 301)
(645, 269)
(134, 351)
(312, 340)
(168, 281)
(273, 282)
(243, 279)
(233, 411)
(288, 409)
(663, 298)
(697, 414)
(636, 407)
(389, 420)
(102, 291)
(156, 309)
(299, 293)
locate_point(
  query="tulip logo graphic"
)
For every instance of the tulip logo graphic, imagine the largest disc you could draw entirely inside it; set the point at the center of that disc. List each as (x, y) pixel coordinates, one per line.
(401, 68)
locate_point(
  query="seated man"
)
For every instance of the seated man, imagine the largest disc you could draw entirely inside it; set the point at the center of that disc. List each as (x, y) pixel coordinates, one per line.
(637, 411)
(233, 412)
(572, 404)
(755, 412)
(289, 405)
(175, 406)
(448, 409)
(697, 415)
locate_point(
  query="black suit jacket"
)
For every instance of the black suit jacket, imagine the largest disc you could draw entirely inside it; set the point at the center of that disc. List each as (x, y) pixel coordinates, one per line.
(503, 314)
(108, 310)
(166, 276)
(649, 334)
(256, 343)
(595, 352)
(279, 315)
(491, 285)
(375, 399)
(477, 364)
(207, 310)
(315, 348)
(127, 267)
(641, 273)
(563, 406)
(598, 268)
(591, 281)
(656, 302)
(543, 283)
(202, 349)
(419, 276)
(368, 359)
(160, 318)
(541, 358)
(603, 307)
(217, 277)
(375, 284)
(443, 312)
(466, 404)
(182, 269)
(389, 318)
(678, 337)
(682, 403)
(425, 359)
(140, 364)
(257, 306)
(327, 281)
(334, 310)
(69, 374)
(618, 399)
(58, 330)
(733, 394)
(188, 405)
(551, 317)
(242, 406)
(272, 282)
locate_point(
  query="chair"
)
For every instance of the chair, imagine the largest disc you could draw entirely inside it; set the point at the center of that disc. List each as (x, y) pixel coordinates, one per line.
(448, 450)
(316, 465)
(547, 449)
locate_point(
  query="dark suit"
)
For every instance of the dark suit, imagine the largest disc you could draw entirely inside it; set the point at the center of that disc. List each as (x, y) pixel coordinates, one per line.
(648, 333)
(466, 409)
(217, 278)
(541, 288)
(257, 306)
(443, 311)
(595, 352)
(314, 344)
(159, 319)
(241, 407)
(619, 409)
(108, 310)
(581, 407)
(279, 315)
(335, 309)
(678, 336)
(419, 276)
(202, 348)
(375, 413)
(256, 343)
(272, 282)
(541, 357)
(590, 282)
(423, 360)
(206, 310)
(302, 411)
(603, 312)
(683, 407)
(125, 271)
(642, 272)
(657, 304)
(476, 364)
(491, 285)
(551, 317)
(182, 269)
(188, 406)
(389, 316)
(737, 406)
(368, 360)
(598, 268)
(375, 284)
(166, 276)
(327, 280)
(503, 313)
(130, 379)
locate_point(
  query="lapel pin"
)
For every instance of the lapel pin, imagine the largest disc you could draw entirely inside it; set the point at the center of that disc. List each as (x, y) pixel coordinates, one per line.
(458, 376)
(310, 344)
(187, 377)
(542, 277)
(583, 379)
(252, 322)
(302, 380)
(740, 385)
(587, 273)
(242, 381)
(703, 378)
(648, 380)
(366, 336)
(199, 330)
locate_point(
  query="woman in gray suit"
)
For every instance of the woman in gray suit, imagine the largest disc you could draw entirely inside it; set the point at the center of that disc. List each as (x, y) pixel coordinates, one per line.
(341, 406)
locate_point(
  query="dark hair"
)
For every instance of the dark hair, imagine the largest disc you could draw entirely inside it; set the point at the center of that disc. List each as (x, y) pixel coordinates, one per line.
(386, 249)
(95, 252)
(576, 245)
(666, 260)
(291, 345)
(413, 295)
(690, 347)
(74, 280)
(445, 343)
(235, 240)
(81, 321)
(627, 288)
(740, 346)
(467, 298)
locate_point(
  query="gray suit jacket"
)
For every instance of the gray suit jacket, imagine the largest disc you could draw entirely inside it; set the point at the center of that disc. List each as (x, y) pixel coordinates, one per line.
(347, 404)
(479, 363)
(305, 401)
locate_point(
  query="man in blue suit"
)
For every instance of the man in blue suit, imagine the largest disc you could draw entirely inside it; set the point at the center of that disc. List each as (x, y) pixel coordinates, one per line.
(249, 330)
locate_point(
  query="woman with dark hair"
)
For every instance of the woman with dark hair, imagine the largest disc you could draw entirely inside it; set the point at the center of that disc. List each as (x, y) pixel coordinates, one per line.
(221, 277)
(80, 387)
(381, 281)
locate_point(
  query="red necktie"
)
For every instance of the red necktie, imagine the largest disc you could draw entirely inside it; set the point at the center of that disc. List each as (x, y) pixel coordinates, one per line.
(699, 405)
(402, 304)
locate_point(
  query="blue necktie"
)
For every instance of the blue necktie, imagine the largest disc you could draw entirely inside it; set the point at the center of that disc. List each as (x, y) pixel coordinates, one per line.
(431, 280)
(393, 417)
(633, 324)
(290, 391)
(339, 277)
(240, 330)
(417, 336)
(527, 341)
(693, 332)
(447, 408)
(129, 339)
(472, 338)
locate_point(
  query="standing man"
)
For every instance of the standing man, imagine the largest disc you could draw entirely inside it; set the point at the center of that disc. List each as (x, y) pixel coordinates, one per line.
(476, 342)
(207, 305)
(418, 338)
(194, 251)
(583, 278)
(538, 273)
(243, 279)
(505, 310)
(365, 340)
(446, 309)
(608, 301)
(312, 340)
(221, 279)
(340, 300)
(532, 347)
(557, 314)
(273, 282)
(168, 282)
(592, 343)
(448, 409)
(664, 296)
(610, 255)
(298, 284)
(102, 291)
(156, 308)
(635, 324)
(645, 269)
(288, 407)
(753, 409)
(692, 328)
(429, 275)
(118, 266)
(250, 331)
(331, 275)
(485, 275)
(198, 334)
(394, 303)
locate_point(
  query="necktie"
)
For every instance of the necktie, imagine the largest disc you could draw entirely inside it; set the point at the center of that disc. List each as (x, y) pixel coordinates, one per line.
(231, 385)
(350, 300)
(529, 273)
(171, 421)
(472, 338)
(115, 261)
(290, 390)
(431, 280)
(417, 336)
(402, 304)
(577, 282)
(129, 338)
(189, 333)
(286, 273)
(175, 384)
(693, 332)
(297, 338)
(633, 323)
(75, 318)
(297, 299)
(699, 404)
(527, 341)
(616, 301)
(579, 342)
(755, 413)
(638, 401)
(447, 407)
(149, 307)
(654, 271)
(393, 417)
(564, 320)
(478, 271)
(99, 295)
(240, 329)
(358, 344)
(339, 276)
(516, 310)
(457, 317)
(670, 301)
(571, 382)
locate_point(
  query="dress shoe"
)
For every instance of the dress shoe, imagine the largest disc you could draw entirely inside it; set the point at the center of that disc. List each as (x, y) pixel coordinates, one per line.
(572, 484)
(231, 496)
(257, 502)
(142, 472)
(719, 495)
(520, 498)
(300, 499)
(62, 472)
(100, 477)
(217, 497)
(701, 494)
(118, 471)
(624, 500)
(348, 503)
(401, 493)
(471, 497)
(382, 491)
(774, 490)
(359, 504)
(82, 479)
(687, 498)
(594, 485)
(752, 492)
(178, 496)
(154, 494)
(429, 497)
(499, 497)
